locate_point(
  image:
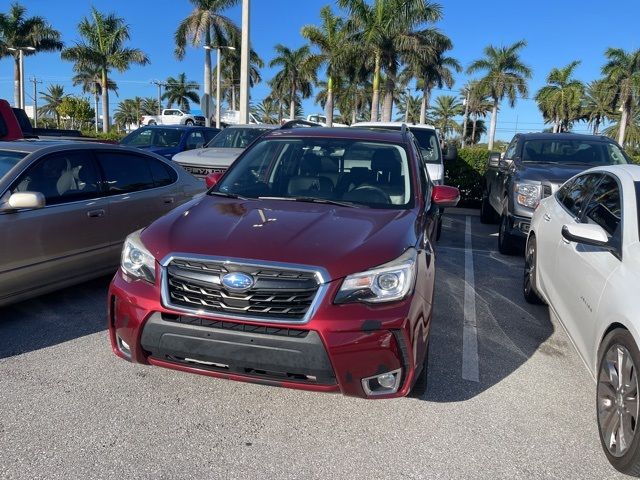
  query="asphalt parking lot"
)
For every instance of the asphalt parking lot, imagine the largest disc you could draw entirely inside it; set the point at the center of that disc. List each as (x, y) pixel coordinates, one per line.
(508, 396)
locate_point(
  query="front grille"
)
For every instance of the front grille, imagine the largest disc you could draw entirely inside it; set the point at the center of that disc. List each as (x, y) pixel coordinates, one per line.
(199, 171)
(276, 293)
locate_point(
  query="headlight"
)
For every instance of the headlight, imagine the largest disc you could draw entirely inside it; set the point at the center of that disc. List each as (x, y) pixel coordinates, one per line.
(386, 283)
(136, 260)
(528, 194)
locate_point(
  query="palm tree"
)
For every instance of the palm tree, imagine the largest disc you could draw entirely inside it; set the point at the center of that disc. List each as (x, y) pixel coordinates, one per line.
(409, 108)
(623, 70)
(599, 104)
(332, 41)
(298, 72)
(230, 71)
(89, 78)
(267, 111)
(506, 75)
(150, 106)
(386, 28)
(632, 134)
(52, 100)
(180, 91)
(479, 105)
(560, 100)
(446, 108)
(434, 70)
(206, 26)
(128, 112)
(102, 47)
(18, 30)
(474, 131)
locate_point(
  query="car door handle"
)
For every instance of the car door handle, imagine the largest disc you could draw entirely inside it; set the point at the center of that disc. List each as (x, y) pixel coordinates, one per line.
(95, 213)
(168, 200)
(547, 217)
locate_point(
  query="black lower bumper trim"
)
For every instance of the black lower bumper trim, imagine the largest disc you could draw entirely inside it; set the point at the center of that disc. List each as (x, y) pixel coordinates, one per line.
(265, 355)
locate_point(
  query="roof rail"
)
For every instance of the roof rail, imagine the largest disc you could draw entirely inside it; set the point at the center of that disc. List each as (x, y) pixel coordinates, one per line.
(298, 123)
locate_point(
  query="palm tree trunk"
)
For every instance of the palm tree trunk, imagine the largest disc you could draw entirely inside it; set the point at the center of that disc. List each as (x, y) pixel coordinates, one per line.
(596, 126)
(473, 130)
(233, 98)
(292, 104)
(16, 82)
(105, 101)
(376, 89)
(387, 107)
(354, 112)
(207, 80)
(329, 106)
(494, 120)
(423, 107)
(466, 118)
(623, 125)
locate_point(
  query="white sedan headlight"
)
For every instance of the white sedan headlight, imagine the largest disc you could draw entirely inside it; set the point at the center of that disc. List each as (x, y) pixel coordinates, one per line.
(385, 283)
(528, 194)
(136, 260)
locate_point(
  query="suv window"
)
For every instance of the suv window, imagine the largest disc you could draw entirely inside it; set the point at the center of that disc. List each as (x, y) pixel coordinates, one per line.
(62, 177)
(511, 149)
(194, 140)
(162, 174)
(125, 172)
(572, 152)
(604, 208)
(574, 197)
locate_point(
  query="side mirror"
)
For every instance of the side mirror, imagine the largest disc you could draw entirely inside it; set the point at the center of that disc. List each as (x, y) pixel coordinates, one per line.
(586, 233)
(451, 153)
(213, 178)
(445, 196)
(25, 200)
(494, 159)
(504, 164)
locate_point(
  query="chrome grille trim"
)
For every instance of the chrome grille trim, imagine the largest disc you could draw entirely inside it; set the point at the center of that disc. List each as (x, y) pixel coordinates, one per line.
(269, 270)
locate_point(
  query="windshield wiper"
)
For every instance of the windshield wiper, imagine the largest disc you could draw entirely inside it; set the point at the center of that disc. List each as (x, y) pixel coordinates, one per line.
(314, 200)
(227, 195)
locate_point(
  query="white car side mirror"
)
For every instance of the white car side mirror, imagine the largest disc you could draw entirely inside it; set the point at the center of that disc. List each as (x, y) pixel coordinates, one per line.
(587, 233)
(25, 200)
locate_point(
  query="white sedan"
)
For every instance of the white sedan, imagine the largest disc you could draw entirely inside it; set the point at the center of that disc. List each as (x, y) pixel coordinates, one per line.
(583, 260)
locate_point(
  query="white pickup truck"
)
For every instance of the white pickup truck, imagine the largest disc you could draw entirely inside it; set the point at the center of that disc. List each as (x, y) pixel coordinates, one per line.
(173, 116)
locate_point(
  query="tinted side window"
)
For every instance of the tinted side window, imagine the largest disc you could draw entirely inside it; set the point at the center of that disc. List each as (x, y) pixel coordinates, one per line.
(579, 191)
(62, 178)
(194, 140)
(162, 174)
(604, 208)
(125, 172)
(511, 149)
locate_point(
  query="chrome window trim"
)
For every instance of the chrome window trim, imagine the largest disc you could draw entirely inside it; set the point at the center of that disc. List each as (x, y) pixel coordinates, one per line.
(321, 274)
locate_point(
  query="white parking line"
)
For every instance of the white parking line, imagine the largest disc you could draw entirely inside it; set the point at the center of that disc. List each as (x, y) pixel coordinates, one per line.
(470, 369)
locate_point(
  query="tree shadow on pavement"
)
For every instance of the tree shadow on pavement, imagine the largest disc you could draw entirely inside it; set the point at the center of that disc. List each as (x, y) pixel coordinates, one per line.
(54, 318)
(509, 330)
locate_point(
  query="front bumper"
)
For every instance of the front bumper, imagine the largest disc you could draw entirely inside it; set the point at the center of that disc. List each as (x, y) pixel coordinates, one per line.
(519, 226)
(333, 352)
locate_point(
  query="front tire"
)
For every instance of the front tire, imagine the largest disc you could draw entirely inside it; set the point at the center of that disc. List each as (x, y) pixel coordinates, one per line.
(506, 242)
(151, 122)
(617, 404)
(189, 123)
(529, 289)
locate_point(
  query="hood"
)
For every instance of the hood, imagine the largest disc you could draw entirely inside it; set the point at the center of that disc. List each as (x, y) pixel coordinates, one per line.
(550, 172)
(209, 157)
(342, 240)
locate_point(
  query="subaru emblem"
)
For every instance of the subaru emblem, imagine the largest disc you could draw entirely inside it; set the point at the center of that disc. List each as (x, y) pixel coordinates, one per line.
(237, 281)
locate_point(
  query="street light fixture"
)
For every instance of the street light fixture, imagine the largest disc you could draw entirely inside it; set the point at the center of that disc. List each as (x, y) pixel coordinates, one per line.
(21, 51)
(218, 48)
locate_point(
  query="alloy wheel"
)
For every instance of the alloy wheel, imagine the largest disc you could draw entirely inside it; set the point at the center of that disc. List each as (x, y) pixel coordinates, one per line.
(617, 400)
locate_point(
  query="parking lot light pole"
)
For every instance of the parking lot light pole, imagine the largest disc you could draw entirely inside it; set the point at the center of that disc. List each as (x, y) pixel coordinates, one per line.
(218, 59)
(21, 51)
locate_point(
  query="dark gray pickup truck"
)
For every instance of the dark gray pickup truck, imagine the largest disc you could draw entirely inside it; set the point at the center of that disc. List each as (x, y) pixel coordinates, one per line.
(533, 167)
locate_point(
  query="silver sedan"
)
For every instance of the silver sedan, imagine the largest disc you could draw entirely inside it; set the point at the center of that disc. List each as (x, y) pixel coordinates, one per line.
(66, 207)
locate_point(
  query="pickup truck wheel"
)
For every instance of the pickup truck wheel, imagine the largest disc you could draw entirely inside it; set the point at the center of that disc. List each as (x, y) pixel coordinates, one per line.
(487, 214)
(617, 401)
(529, 289)
(189, 123)
(506, 242)
(151, 122)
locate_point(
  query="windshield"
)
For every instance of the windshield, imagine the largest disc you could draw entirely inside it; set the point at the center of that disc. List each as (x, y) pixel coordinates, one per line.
(429, 146)
(153, 137)
(8, 159)
(337, 170)
(235, 137)
(572, 152)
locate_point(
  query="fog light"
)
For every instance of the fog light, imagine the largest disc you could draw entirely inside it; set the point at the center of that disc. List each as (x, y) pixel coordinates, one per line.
(382, 384)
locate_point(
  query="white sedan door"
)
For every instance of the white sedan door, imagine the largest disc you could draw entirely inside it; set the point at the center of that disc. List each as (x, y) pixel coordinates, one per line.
(583, 270)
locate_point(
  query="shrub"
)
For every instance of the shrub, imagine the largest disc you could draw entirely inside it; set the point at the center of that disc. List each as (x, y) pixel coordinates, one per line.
(112, 135)
(467, 173)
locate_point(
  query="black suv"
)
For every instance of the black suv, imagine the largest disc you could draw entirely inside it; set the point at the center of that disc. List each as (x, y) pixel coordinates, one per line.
(533, 167)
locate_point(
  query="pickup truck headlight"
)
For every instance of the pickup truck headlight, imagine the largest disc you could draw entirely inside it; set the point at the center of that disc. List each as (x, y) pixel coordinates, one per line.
(528, 194)
(385, 283)
(136, 260)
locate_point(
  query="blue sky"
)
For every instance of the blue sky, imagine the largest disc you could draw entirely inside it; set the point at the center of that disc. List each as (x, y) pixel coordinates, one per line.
(557, 33)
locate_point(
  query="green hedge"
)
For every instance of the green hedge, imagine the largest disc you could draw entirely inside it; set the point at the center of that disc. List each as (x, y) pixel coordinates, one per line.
(467, 173)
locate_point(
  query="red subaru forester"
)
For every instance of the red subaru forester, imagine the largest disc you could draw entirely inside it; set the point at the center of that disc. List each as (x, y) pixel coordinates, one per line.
(307, 265)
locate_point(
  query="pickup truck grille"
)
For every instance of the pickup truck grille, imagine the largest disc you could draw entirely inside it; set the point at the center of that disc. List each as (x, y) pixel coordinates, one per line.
(280, 294)
(201, 172)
